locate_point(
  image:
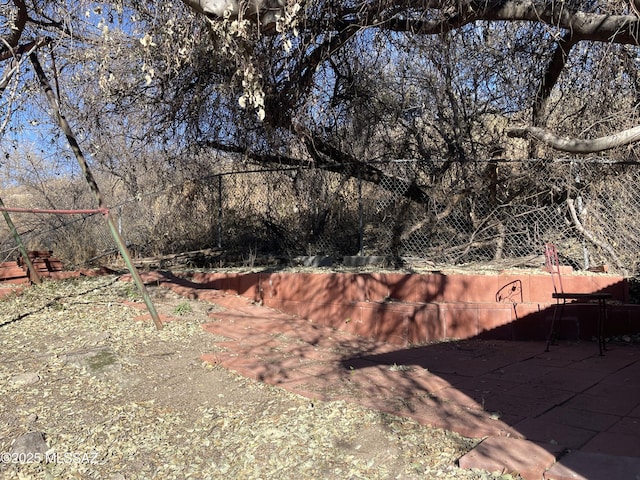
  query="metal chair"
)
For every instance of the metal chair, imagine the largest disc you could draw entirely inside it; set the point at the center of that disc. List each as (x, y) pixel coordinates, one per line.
(553, 265)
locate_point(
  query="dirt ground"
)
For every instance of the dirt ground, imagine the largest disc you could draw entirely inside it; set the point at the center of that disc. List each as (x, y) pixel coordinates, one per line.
(106, 396)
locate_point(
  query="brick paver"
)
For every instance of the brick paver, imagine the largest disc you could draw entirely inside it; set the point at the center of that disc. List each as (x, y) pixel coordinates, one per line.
(567, 412)
(509, 455)
(585, 466)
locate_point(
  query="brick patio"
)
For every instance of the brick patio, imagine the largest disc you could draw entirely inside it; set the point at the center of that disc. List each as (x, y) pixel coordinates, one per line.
(565, 414)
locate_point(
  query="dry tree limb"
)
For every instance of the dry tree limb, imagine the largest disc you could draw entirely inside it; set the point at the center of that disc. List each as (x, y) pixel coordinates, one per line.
(577, 145)
(592, 238)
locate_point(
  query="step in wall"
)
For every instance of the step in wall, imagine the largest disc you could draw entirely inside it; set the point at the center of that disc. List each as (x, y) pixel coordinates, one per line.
(11, 272)
(18, 273)
(416, 308)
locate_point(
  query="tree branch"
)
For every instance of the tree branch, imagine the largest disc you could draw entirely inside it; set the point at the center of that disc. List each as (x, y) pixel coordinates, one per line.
(21, 50)
(404, 16)
(622, 29)
(17, 56)
(552, 74)
(589, 236)
(330, 159)
(17, 26)
(576, 145)
(264, 12)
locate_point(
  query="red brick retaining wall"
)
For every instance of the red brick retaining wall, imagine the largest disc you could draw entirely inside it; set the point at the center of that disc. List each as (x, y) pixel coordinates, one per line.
(411, 308)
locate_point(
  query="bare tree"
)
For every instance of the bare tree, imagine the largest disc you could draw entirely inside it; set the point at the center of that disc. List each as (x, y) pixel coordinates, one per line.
(348, 87)
(275, 49)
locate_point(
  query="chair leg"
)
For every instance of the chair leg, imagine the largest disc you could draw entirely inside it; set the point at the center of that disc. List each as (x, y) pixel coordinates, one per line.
(605, 319)
(602, 318)
(551, 335)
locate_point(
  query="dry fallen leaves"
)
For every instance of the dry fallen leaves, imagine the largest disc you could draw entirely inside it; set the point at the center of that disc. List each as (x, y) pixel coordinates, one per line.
(117, 399)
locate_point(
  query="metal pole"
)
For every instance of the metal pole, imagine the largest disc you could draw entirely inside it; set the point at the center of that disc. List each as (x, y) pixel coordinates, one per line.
(360, 213)
(23, 251)
(219, 211)
(66, 128)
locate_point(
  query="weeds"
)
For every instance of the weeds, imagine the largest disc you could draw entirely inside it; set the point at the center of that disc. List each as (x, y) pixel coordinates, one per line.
(182, 309)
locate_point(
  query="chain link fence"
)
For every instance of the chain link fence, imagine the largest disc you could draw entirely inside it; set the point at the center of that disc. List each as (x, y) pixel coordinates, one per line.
(445, 213)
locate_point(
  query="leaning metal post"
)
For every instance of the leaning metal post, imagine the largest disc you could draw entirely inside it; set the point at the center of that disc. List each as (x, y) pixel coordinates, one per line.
(219, 211)
(360, 213)
(66, 128)
(23, 251)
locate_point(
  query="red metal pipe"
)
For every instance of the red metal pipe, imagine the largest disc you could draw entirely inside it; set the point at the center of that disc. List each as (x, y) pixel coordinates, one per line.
(103, 211)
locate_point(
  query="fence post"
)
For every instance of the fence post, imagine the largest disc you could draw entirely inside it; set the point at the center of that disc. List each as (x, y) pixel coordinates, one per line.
(120, 220)
(23, 251)
(66, 128)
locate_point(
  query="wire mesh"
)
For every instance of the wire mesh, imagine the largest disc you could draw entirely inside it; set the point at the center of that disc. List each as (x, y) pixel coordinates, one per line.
(448, 213)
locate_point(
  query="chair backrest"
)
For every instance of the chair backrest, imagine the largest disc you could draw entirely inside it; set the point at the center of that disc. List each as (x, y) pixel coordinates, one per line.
(552, 265)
